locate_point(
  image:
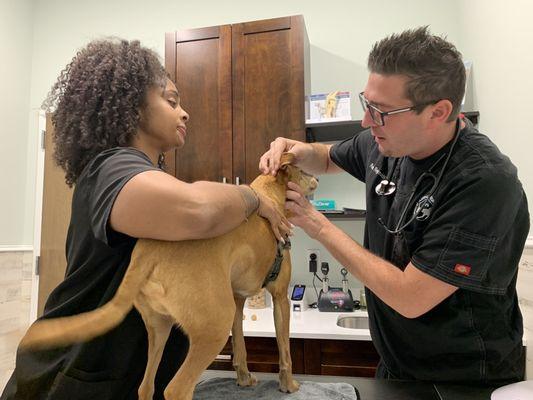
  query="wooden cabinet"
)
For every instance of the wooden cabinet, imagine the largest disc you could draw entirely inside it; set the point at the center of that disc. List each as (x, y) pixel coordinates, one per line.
(340, 357)
(262, 355)
(309, 356)
(243, 85)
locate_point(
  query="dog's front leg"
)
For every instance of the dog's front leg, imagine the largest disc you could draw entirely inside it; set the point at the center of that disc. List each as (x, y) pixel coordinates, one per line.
(244, 377)
(281, 322)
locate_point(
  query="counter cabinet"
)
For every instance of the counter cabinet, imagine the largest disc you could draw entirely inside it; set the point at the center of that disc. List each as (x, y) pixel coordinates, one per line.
(309, 356)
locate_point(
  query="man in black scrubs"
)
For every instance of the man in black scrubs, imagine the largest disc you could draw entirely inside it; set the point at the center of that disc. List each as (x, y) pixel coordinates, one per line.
(446, 222)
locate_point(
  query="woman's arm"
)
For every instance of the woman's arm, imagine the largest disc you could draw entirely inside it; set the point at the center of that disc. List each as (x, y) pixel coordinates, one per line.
(156, 205)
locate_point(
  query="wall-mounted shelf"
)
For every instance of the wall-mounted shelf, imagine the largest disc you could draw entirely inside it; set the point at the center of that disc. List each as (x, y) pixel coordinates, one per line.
(332, 131)
(340, 130)
(353, 215)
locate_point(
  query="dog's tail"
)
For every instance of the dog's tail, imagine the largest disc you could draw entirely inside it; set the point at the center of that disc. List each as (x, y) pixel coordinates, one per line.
(63, 331)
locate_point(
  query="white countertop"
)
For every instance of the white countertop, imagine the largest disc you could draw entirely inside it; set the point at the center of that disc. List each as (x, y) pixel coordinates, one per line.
(309, 324)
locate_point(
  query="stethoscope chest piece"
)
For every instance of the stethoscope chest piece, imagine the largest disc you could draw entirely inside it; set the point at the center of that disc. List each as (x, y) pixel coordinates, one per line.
(384, 188)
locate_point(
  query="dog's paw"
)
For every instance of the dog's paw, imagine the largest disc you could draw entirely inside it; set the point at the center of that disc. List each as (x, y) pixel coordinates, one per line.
(248, 379)
(290, 386)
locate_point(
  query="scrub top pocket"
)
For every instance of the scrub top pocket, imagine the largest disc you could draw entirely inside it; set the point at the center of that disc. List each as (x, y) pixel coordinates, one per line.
(467, 257)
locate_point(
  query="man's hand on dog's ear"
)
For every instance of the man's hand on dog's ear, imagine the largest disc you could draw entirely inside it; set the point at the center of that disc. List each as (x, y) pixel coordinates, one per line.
(271, 161)
(280, 224)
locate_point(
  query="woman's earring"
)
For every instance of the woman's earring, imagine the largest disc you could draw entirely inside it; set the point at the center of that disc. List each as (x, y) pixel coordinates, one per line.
(161, 161)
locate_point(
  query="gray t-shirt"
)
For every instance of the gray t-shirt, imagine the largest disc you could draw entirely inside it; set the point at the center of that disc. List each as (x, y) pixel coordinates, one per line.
(110, 366)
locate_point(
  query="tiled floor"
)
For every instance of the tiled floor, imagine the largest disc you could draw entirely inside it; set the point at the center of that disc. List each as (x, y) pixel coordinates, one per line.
(15, 290)
(8, 347)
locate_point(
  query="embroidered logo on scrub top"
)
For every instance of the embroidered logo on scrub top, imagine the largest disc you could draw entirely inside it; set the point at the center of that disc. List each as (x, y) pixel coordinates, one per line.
(462, 269)
(423, 207)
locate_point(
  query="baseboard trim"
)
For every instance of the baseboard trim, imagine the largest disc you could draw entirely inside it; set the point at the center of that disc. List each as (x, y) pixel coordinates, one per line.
(21, 247)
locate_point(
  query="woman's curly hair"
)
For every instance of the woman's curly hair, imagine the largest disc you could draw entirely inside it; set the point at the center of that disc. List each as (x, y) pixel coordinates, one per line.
(97, 99)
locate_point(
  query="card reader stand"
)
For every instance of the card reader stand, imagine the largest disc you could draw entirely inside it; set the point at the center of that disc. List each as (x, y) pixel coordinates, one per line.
(298, 298)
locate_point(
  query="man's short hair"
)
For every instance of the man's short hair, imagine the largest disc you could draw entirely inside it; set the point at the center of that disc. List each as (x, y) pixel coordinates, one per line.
(433, 65)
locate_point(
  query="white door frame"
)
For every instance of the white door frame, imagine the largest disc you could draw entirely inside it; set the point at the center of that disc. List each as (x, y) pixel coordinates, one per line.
(39, 125)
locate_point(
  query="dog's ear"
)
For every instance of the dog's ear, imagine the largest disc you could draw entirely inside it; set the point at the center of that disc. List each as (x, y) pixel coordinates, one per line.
(286, 159)
(286, 169)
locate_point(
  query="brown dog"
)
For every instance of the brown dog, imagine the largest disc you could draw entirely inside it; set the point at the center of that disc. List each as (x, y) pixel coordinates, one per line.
(162, 282)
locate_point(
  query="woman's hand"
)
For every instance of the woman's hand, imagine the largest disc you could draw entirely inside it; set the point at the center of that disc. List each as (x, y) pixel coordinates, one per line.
(304, 215)
(279, 223)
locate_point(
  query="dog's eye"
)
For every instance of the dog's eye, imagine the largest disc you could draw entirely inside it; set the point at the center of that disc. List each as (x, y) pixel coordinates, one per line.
(308, 175)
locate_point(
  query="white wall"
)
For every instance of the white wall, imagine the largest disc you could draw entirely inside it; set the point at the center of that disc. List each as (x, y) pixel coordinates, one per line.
(497, 36)
(15, 71)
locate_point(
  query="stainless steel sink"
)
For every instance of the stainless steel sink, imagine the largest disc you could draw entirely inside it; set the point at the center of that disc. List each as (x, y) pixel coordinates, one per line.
(352, 322)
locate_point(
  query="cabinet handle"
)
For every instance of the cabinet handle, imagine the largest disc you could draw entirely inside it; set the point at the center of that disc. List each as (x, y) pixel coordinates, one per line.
(237, 181)
(224, 180)
(223, 357)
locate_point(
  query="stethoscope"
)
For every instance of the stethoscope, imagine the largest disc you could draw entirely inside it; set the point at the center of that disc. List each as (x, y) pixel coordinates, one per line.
(424, 204)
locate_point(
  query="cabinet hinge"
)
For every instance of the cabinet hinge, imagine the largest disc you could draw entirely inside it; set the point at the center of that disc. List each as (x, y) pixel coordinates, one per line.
(37, 265)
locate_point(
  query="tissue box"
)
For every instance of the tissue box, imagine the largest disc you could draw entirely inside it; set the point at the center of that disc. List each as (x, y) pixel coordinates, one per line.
(323, 204)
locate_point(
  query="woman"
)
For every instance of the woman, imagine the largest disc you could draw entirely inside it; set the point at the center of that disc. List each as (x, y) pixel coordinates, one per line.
(116, 113)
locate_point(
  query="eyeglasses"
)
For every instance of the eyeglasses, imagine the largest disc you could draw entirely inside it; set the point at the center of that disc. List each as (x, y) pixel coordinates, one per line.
(378, 116)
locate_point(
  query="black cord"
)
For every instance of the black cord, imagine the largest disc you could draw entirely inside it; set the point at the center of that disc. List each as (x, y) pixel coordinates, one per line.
(357, 393)
(314, 286)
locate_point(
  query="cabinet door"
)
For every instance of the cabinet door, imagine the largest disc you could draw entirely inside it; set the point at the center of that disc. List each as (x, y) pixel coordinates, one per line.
(262, 355)
(199, 61)
(269, 87)
(57, 198)
(340, 357)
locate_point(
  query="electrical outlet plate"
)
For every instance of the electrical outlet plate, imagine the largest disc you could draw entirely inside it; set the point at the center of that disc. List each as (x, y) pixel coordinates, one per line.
(313, 251)
(316, 252)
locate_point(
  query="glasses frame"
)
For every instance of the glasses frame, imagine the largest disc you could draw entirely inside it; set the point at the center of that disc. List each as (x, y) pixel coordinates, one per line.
(382, 114)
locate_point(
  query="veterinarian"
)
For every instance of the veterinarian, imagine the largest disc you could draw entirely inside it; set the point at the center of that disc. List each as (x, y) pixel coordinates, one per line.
(116, 113)
(446, 220)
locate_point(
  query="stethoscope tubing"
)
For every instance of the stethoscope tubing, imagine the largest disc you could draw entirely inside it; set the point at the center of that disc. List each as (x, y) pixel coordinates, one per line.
(400, 226)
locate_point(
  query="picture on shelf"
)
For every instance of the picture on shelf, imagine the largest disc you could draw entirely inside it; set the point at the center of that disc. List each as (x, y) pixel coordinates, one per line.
(334, 106)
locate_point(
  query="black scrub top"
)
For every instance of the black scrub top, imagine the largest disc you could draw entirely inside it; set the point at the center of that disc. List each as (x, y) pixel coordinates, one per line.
(112, 365)
(472, 239)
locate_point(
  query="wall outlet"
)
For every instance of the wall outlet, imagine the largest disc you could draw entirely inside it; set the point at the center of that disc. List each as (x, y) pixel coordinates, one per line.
(313, 259)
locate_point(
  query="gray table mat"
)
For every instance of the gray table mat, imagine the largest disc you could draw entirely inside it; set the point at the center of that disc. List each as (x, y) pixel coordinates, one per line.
(227, 388)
